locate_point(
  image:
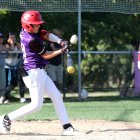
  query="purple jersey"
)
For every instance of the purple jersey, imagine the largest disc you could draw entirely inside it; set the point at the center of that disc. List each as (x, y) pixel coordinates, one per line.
(32, 59)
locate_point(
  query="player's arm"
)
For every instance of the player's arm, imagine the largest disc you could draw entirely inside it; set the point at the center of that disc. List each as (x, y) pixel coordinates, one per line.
(39, 48)
(51, 54)
(45, 35)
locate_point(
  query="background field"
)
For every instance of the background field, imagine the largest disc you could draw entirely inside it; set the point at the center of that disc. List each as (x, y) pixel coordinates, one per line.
(104, 106)
(102, 116)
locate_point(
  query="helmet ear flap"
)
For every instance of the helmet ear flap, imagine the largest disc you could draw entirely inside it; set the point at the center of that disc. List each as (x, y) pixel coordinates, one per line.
(29, 27)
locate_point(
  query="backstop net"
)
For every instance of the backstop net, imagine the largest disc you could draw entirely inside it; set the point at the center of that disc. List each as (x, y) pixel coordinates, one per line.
(120, 6)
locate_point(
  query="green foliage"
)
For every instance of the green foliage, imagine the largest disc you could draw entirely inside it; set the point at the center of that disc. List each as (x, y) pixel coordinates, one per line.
(108, 32)
(100, 32)
(3, 13)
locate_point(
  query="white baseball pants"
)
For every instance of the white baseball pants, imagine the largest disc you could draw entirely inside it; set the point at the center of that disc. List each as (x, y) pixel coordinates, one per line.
(40, 84)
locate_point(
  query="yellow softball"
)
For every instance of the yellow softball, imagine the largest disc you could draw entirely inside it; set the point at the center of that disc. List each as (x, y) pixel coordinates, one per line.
(70, 69)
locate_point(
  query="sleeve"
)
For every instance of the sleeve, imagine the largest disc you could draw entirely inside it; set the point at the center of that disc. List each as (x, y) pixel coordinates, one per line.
(138, 56)
(42, 33)
(37, 46)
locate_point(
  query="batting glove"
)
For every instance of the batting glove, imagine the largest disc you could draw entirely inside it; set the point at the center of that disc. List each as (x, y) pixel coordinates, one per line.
(64, 49)
(64, 43)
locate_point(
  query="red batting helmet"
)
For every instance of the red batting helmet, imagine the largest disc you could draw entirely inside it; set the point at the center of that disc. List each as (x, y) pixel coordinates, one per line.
(31, 17)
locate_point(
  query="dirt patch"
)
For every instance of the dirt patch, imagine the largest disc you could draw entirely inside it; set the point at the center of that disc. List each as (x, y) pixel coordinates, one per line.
(93, 129)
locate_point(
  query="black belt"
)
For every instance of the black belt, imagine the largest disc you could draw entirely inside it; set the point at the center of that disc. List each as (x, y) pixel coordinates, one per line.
(42, 68)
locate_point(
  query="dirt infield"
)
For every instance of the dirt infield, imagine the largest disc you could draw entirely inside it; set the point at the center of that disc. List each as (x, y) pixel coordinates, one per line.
(93, 129)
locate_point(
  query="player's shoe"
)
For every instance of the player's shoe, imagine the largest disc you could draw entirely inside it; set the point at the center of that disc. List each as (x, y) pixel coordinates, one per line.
(5, 124)
(71, 132)
(23, 100)
(6, 101)
(2, 100)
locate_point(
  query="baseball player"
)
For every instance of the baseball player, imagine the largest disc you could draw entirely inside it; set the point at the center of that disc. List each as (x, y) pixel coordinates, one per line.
(34, 75)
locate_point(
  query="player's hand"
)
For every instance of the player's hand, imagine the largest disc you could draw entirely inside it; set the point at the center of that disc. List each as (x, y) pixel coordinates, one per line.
(64, 43)
(64, 49)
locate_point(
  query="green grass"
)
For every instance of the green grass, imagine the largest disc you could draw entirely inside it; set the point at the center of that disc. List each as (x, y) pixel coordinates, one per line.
(97, 107)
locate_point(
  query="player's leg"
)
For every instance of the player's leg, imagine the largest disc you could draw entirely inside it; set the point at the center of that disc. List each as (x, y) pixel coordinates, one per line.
(36, 93)
(56, 97)
(35, 105)
(58, 103)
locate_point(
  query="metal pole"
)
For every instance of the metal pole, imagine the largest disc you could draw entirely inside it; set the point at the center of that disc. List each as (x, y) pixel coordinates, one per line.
(79, 48)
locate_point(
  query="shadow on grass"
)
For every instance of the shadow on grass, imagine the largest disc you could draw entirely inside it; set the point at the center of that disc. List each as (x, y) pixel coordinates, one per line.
(102, 98)
(89, 99)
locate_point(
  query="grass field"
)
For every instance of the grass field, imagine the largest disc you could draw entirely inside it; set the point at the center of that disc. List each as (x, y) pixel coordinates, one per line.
(102, 116)
(98, 106)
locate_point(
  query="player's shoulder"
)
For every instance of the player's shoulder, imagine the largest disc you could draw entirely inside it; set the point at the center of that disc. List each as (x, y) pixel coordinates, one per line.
(26, 36)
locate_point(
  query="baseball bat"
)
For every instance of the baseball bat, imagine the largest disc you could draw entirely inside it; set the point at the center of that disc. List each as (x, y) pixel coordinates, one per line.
(70, 67)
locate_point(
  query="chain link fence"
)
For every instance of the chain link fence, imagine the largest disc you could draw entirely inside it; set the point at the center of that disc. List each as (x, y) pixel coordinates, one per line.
(57, 15)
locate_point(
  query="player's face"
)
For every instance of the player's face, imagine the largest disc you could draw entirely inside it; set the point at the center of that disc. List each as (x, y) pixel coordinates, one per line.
(35, 28)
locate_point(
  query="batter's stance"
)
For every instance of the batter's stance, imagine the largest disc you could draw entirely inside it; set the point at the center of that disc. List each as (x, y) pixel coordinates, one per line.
(34, 75)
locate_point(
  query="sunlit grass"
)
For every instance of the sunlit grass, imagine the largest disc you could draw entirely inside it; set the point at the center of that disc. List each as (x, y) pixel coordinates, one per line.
(98, 106)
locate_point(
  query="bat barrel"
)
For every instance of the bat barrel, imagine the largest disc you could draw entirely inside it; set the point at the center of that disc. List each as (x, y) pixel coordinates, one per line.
(69, 60)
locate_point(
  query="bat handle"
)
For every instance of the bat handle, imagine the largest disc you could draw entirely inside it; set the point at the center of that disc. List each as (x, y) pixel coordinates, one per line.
(67, 51)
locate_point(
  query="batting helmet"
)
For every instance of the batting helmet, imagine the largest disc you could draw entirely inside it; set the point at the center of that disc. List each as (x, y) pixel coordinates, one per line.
(31, 17)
